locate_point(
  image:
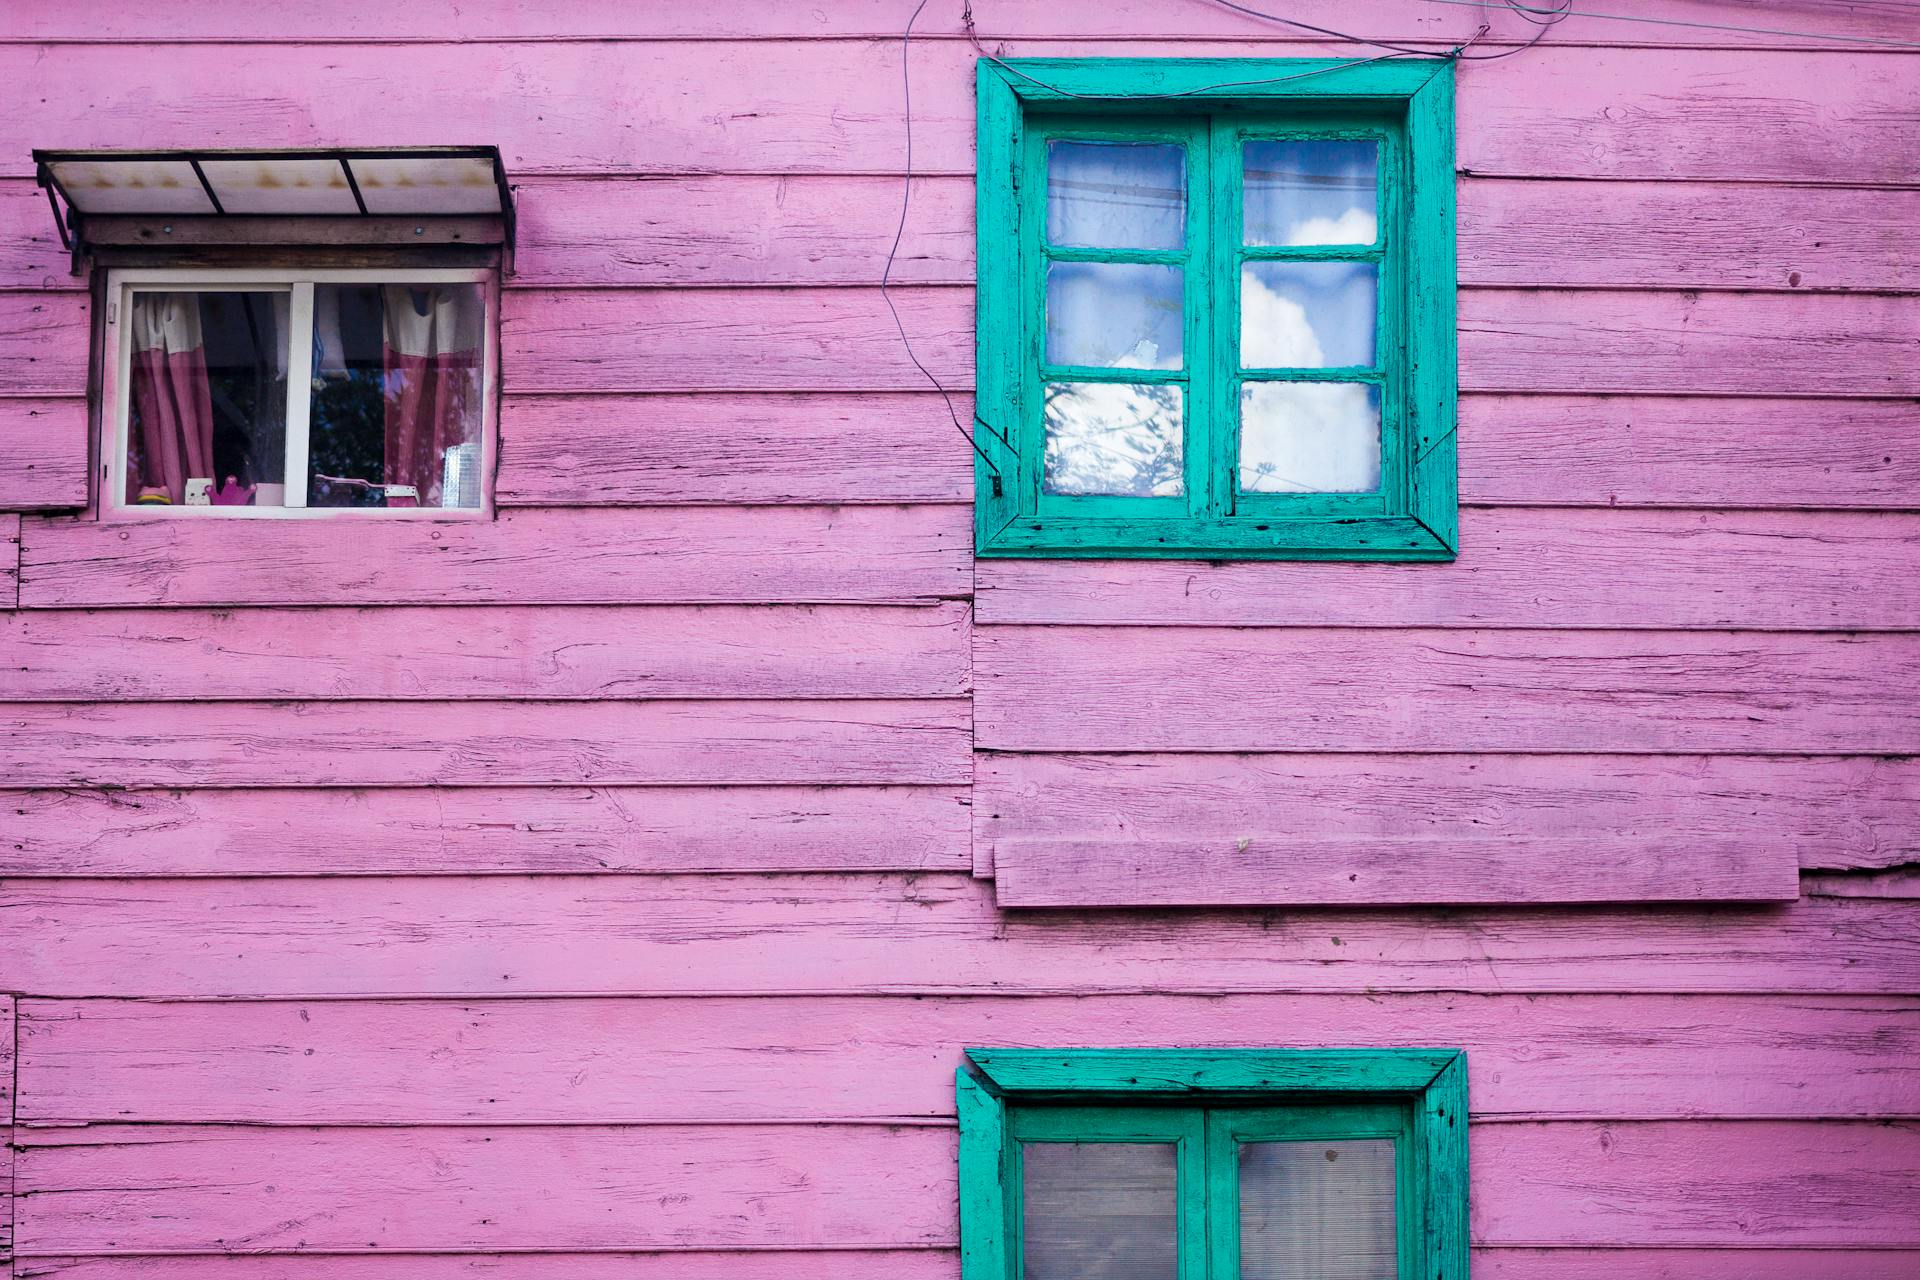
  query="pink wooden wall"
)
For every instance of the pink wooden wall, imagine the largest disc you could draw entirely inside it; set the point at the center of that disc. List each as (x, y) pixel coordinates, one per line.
(591, 893)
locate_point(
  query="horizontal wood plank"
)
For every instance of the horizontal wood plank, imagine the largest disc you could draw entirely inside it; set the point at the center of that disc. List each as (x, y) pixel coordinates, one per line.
(1632, 451)
(156, 1189)
(1836, 813)
(1697, 1185)
(483, 830)
(1582, 568)
(734, 340)
(852, 933)
(45, 340)
(673, 1264)
(639, 556)
(43, 453)
(835, 106)
(9, 560)
(412, 653)
(428, 1190)
(642, 449)
(1718, 1263)
(1291, 689)
(173, 744)
(1524, 340)
(599, 1061)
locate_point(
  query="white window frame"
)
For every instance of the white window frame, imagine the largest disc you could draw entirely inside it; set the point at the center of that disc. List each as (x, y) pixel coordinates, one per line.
(123, 283)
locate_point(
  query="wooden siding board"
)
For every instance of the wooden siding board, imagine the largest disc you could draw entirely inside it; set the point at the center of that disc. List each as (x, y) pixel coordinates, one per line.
(714, 1059)
(1528, 568)
(676, 1264)
(171, 744)
(45, 340)
(834, 106)
(750, 555)
(1719, 1263)
(156, 1189)
(9, 560)
(1629, 451)
(919, 933)
(1835, 813)
(559, 652)
(483, 830)
(764, 448)
(43, 453)
(1292, 689)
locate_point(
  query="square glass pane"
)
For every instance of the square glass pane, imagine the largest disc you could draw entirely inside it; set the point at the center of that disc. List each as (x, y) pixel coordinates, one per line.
(1305, 192)
(1119, 315)
(1116, 439)
(1317, 1210)
(207, 399)
(1116, 195)
(1099, 1211)
(427, 184)
(1309, 437)
(395, 418)
(1307, 315)
(281, 185)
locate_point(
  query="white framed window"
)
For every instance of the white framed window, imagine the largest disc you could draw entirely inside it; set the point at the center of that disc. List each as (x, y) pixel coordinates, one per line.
(289, 393)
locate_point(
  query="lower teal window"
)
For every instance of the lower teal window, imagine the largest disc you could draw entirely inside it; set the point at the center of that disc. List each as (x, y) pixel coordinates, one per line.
(1213, 1165)
(1216, 309)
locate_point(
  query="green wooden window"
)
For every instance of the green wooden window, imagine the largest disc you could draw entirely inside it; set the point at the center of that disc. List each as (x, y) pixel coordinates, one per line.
(1216, 309)
(1228, 1164)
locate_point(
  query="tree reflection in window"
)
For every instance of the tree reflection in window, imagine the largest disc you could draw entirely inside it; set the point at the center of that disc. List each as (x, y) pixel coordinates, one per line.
(1114, 439)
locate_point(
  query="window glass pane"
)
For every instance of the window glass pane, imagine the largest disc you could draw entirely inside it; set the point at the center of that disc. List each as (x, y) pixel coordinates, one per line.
(1306, 192)
(1116, 195)
(1115, 314)
(1317, 1211)
(1309, 437)
(1306, 315)
(1099, 1211)
(1114, 438)
(396, 395)
(207, 399)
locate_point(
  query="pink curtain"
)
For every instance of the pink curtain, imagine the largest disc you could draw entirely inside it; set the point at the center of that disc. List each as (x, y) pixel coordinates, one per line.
(171, 436)
(432, 380)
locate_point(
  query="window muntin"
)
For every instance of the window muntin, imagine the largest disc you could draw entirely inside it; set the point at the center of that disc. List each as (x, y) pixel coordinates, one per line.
(263, 393)
(1251, 287)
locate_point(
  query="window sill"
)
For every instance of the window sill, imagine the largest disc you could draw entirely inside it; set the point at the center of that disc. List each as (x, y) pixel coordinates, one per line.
(1376, 538)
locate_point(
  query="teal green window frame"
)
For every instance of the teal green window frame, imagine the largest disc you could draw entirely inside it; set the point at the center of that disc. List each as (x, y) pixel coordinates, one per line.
(1202, 1101)
(1215, 103)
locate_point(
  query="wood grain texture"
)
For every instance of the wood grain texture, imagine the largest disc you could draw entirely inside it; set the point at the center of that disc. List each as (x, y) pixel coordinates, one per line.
(1686, 235)
(171, 744)
(160, 1190)
(9, 560)
(834, 106)
(1719, 1263)
(114, 1188)
(559, 652)
(43, 453)
(921, 933)
(1665, 569)
(1317, 870)
(483, 830)
(600, 1061)
(1834, 813)
(44, 341)
(769, 448)
(675, 1264)
(637, 556)
(1633, 451)
(1526, 340)
(1290, 689)
(1681, 1185)
(732, 340)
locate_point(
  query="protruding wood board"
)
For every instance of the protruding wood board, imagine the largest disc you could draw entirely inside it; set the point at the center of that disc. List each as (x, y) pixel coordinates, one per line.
(1298, 689)
(518, 651)
(1525, 568)
(1834, 813)
(916, 933)
(481, 743)
(483, 830)
(634, 556)
(712, 1059)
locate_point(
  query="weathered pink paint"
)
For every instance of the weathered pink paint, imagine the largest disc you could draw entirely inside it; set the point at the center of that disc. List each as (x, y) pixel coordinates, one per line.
(607, 888)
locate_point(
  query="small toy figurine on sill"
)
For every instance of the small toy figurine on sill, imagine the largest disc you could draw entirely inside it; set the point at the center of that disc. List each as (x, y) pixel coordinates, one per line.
(233, 494)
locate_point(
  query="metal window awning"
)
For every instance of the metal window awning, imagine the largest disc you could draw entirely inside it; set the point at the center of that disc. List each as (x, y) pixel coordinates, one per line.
(212, 193)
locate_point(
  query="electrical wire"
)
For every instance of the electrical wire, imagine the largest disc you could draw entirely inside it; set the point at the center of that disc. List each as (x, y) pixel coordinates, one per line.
(1812, 37)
